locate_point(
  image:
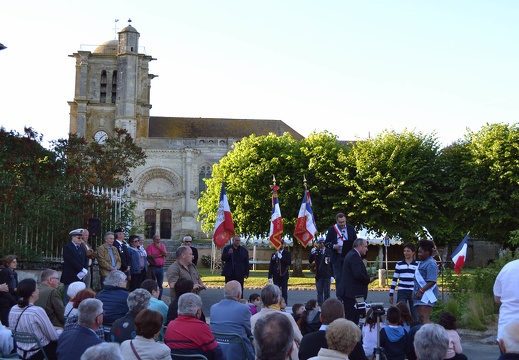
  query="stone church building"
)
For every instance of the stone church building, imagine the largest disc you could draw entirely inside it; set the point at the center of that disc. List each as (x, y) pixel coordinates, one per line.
(113, 90)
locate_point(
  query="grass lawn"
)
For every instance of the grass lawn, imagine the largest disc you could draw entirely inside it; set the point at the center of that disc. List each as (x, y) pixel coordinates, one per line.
(258, 278)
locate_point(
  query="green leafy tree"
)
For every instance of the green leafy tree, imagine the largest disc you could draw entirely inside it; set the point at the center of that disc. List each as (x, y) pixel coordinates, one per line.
(45, 193)
(392, 183)
(105, 165)
(248, 171)
(485, 192)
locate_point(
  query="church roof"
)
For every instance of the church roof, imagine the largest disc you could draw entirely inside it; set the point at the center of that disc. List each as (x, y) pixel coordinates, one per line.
(108, 48)
(129, 28)
(185, 127)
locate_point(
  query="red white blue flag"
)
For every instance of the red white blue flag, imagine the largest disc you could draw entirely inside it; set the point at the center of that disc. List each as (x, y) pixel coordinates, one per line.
(276, 223)
(305, 227)
(224, 227)
(460, 254)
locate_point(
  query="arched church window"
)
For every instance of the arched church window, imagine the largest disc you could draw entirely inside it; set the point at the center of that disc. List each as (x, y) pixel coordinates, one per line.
(205, 173)
(165, 224)
(114, 86)
(150, 219)
(102, 95)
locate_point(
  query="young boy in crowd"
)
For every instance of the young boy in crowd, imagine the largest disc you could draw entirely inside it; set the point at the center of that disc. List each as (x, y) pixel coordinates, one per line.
(393, 337)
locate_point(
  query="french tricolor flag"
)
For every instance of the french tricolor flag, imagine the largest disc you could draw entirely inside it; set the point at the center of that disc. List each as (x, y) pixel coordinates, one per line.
(460, 254)
(224, 227)
(305, 227)
(276, 223)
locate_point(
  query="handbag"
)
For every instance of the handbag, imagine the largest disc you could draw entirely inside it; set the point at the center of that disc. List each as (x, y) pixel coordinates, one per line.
(134, 351)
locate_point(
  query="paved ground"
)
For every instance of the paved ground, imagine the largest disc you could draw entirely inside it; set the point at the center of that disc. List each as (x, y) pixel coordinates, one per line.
(476, 345)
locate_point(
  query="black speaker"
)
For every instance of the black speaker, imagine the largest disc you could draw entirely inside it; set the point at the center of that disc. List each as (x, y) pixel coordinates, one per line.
(94, 226)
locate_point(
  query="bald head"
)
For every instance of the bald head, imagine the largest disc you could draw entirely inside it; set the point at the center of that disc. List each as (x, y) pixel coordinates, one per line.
(232, 290)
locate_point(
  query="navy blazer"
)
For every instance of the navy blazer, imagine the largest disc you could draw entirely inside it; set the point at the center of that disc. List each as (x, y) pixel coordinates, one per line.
(276, 263)
(74, 342)
(124, 253)
(74, 260)
(331, 238)
(239, 259)
(355, 278)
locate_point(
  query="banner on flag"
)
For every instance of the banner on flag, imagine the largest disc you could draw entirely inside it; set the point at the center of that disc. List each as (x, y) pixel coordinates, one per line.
(224, 227)
(305, 227)
(460, 254)
(276, 223)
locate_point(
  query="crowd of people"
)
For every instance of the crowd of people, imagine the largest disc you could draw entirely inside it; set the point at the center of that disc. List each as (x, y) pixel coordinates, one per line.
(127, 318)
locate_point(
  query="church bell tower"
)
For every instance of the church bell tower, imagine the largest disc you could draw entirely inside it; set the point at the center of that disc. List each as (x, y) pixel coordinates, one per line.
(112, 88)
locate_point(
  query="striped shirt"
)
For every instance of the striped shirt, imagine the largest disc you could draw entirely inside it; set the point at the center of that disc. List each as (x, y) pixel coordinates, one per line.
(404, 272)
(33, 320)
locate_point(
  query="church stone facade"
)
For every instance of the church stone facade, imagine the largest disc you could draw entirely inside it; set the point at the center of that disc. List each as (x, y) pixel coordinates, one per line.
(112, 90)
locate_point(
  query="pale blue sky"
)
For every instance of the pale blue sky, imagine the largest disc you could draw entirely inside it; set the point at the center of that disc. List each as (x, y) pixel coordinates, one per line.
(354, 68)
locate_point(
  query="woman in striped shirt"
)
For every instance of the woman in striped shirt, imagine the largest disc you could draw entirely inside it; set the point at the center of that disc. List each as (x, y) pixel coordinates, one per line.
(25, 317)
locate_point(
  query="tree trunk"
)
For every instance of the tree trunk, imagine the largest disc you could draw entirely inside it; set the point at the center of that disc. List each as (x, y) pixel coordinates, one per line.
(297, 262)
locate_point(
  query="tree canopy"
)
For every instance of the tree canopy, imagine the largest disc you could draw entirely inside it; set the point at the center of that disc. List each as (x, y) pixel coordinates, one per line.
(47, 192)
(484, 181)
(396, 183)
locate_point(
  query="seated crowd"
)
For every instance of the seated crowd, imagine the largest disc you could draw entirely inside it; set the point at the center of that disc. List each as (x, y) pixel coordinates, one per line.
(127, 319)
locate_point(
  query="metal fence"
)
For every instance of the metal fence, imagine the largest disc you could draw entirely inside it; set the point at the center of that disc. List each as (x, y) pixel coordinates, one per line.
(42, 236)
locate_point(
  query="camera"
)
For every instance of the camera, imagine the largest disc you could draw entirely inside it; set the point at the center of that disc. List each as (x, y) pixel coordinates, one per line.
(361, 305)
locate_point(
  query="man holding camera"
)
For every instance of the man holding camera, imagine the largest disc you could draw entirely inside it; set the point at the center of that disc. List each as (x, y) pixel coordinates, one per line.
(323, 270)
(355, 279)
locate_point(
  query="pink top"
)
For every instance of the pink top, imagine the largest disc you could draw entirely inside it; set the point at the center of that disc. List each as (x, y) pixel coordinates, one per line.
(151, 249)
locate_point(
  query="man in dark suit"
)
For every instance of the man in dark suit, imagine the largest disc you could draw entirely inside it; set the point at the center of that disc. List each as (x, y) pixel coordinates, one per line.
(340, 238)
(236, 259)
(75, 262)
(355, 279)
(279, 269)
(124, 251)
(74, 342)
(311, 343)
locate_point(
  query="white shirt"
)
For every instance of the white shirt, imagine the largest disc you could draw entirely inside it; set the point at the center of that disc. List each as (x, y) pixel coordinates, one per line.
(506, 286)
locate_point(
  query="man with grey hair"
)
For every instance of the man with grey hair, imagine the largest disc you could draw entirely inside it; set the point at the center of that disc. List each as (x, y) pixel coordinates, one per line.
(355, 279)
(273, 337)
(124, 328)
(184, 268)
(103, 351)
(50, 298)
(231, 316)
(431, 342)
(74, 342)
(114, 296)
(271, 297)
(188, 241)
(187, 334)
(509, 342)
(108, 257)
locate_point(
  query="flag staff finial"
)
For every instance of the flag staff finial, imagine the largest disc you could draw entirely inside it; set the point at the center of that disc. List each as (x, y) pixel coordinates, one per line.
(273, 187)
(304, 182)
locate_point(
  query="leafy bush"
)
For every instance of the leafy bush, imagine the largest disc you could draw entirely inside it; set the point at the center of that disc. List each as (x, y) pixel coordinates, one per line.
(471, 296)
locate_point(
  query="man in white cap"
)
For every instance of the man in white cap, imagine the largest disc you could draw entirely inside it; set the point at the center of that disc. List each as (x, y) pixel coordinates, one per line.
(75, 262)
